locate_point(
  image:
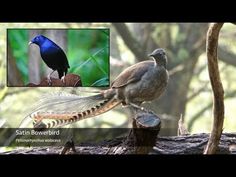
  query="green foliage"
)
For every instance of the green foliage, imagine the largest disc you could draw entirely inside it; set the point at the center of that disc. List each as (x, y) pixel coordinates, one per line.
(182, 54)
(88, 54)
(18, 42)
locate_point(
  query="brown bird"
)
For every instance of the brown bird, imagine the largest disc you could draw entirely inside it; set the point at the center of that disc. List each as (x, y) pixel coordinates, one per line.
(144, 81)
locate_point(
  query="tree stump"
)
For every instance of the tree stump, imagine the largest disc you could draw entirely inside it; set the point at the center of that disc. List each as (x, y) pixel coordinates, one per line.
(71, 80)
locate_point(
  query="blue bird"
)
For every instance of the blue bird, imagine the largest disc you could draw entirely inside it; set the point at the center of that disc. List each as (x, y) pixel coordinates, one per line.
(52, 55)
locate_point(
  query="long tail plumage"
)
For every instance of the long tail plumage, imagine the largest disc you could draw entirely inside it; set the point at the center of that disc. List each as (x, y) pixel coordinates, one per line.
(62, 109)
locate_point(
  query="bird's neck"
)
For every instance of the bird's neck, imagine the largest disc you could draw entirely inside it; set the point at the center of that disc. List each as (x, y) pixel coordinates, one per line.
(159, 62)
(46, 44)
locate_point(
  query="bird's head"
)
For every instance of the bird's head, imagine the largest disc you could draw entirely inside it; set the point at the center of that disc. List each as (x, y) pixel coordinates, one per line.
(159, 56)
(39, 40)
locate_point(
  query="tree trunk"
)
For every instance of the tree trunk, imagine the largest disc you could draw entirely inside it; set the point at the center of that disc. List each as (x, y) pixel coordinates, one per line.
(217, 87)
(13, 74)
(34, 59)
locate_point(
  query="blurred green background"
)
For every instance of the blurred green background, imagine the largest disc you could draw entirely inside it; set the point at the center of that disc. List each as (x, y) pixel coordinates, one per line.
(87, 51)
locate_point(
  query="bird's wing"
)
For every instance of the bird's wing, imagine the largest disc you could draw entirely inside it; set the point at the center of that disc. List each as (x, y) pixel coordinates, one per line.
(63, 59)
(54, 56)
(132, 74)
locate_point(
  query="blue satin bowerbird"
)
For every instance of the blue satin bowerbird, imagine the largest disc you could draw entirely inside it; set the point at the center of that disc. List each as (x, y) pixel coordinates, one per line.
(52, 55)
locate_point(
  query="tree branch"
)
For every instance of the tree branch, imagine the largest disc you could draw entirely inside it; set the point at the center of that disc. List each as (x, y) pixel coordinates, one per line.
(196, 93)
(130, 41)
(226, 56)
(198, 114)
(218, 91)
(182, 130)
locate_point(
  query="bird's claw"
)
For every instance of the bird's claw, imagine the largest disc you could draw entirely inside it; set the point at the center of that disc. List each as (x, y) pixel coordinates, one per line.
(137, 107)
(63, 79)
(49, 80)
(67, 147)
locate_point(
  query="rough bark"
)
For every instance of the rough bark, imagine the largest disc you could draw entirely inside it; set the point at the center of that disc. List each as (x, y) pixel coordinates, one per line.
(218, 91)
(186, 144)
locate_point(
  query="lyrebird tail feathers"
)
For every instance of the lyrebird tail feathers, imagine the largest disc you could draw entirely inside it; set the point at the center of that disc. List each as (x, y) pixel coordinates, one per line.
(65, 109)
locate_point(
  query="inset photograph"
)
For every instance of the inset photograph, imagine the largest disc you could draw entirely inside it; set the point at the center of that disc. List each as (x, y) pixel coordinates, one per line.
(58, 57)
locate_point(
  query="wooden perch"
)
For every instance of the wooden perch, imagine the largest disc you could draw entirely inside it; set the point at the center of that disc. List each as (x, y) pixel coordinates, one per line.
(146, 126)
(218, 91)
(71, 80)
(141, 139)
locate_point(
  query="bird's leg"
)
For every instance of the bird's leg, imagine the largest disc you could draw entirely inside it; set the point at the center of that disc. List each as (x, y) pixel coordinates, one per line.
(49, 77)
(138, 107)
(129, 137)
(135, 106)
(63, 78)
(141, 108)
(68, 146)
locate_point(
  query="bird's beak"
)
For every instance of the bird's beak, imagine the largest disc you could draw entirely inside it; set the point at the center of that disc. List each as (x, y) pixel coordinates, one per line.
(30, 43)
(150, 55)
